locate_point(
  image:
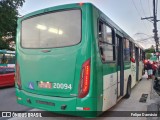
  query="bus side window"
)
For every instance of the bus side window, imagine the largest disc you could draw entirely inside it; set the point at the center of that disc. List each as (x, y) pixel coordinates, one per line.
(141, 58)
(126, 50)
(100, 36)
(106, 43)
(134, 51)
(143, 55)
(131, 49)
(100, 42)
(109, 44)
(1, 55)
(3, 59)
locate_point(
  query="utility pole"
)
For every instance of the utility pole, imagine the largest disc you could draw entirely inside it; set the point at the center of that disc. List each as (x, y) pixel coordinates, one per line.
(154, 19)
(155, 25)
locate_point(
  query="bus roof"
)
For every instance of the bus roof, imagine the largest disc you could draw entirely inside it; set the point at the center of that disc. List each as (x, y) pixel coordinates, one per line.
(78, 5)
(140, 46)
(49, 9)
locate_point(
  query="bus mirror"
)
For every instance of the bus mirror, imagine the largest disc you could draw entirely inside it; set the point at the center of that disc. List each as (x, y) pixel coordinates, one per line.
(133, 60)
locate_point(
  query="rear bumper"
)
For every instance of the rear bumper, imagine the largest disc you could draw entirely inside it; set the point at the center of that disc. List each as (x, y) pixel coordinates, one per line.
(56, 104)
(45, 102)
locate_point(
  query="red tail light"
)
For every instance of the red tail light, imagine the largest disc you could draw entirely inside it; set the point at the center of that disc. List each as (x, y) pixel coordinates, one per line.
(84, 79)
(86, 108)
(17, 76)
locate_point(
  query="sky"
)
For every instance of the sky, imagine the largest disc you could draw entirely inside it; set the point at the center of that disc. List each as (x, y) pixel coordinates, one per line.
(126, 14)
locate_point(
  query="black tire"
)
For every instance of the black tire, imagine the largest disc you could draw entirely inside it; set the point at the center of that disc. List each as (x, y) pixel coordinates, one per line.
(128, 93)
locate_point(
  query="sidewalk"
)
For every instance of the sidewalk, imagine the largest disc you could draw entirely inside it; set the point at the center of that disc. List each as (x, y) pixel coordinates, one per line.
(154, 102)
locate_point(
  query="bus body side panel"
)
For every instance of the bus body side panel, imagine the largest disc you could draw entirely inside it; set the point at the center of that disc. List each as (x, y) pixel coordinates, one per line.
(133, 74)
(98, 80)
(109, 88)
(133, 69)
(127, 73)
(108, 76)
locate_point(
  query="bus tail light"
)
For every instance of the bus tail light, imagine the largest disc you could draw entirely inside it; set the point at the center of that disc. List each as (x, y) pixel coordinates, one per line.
(84, 79)
(86, 108)
(17, 76)
(83, 108)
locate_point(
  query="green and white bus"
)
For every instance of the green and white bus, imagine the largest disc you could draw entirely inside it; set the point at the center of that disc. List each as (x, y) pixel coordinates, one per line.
(74, 58)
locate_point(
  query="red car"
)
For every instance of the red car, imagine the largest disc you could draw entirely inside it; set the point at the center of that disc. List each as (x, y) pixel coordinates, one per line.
(6, 76)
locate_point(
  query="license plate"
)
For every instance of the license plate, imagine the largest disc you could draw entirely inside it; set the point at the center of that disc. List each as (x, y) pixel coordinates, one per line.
(45, 85)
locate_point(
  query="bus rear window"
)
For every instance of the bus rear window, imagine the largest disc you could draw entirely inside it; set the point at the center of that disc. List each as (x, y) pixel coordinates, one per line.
(56, 29)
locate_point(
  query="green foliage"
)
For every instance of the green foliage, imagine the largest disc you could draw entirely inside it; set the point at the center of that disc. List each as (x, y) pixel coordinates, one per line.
(150, 50)
(3, 44)
(8, 21)
(148, 55)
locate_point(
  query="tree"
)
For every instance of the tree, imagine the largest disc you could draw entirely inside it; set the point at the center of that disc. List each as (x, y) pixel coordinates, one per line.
(8, 21)
(150, 50)
(148, 55)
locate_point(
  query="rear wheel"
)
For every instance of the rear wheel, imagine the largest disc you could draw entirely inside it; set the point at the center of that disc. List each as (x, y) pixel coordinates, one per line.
(128, 93)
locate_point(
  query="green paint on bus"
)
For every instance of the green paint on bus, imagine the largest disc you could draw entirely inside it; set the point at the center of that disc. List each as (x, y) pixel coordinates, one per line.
(64, 65)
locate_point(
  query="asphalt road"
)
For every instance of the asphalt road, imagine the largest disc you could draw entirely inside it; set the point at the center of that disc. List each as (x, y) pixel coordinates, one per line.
(8, 100)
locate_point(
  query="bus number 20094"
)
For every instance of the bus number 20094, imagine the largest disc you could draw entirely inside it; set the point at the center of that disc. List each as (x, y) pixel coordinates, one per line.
(62, 86)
